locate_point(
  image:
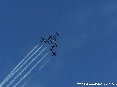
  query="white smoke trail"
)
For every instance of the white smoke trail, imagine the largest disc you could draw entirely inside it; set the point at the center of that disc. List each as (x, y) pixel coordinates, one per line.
(25, 68)
(44, 64)
(24, 83)
(30, 72)
(24, 62)
(39, 69)
(32, 69)
(7, 78)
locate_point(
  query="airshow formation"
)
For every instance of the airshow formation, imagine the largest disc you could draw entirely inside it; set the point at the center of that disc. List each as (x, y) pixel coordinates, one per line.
(52, 41)
(30, 62)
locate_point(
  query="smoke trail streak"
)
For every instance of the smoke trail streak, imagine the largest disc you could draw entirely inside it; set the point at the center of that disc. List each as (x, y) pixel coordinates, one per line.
(7, 78)
(24, 83)
(25, 68)
(24, 63)
(44, 64)
(32, 69)
(30, 72)
(39, 69)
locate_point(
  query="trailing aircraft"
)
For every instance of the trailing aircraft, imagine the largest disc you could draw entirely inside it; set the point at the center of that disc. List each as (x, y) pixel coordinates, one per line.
(55, 44)
(53, 53)
(52, 47)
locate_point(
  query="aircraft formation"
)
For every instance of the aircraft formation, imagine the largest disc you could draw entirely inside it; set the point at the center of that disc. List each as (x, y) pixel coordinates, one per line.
(17, 75)
(52, 41)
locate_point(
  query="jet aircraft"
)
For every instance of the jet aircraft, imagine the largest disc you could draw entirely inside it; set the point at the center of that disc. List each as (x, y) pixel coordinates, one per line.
(55, 44)
(43, 39)
(47, 41)
(57, 33)
(52, 41)
(53, 53)
(54, 38)
(50, 36)
(52, 47)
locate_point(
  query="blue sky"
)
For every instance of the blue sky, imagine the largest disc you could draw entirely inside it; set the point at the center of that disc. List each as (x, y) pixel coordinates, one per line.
(87, 44)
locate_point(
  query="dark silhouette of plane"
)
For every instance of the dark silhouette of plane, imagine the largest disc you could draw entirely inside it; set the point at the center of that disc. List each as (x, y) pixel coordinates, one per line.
(43, 39)
(52, 47)
(50, 36)
(53, 53)
(47, 41)
(52, 41)
(55, 44)
(57, 33)
(54, 38)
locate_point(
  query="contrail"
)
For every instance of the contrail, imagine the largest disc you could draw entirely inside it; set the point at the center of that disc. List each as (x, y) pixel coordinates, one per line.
(23, 63)
(25, 68)
(32, 69)
(7, 78)
(39, 69)
(44, 64)
(24, 83)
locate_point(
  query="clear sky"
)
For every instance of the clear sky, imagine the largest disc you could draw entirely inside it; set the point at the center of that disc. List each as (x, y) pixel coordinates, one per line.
(87, 45)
